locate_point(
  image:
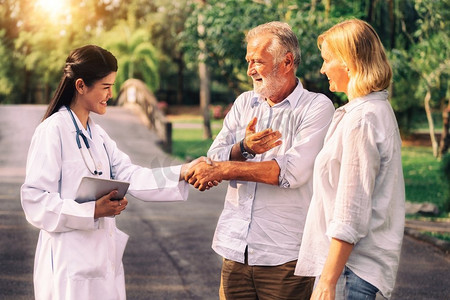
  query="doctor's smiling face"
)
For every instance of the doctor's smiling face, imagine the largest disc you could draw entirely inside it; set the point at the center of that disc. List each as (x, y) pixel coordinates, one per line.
(95, 97)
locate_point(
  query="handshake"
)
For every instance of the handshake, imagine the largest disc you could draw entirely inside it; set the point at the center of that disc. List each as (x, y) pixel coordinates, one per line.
(202, 173)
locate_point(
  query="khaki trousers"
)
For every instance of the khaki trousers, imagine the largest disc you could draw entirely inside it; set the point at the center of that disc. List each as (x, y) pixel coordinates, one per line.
(244, 282)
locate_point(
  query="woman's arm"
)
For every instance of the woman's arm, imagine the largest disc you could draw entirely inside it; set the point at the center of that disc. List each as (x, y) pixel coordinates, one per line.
(334, 265)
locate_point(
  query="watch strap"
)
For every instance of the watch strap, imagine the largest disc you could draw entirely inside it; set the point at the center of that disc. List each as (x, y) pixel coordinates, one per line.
(244, 152)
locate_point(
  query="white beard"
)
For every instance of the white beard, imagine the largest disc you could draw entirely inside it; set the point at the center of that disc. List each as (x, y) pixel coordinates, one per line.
(270, 85)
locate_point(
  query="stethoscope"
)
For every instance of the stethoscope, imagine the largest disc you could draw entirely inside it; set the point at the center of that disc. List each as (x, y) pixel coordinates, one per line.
(92, 167)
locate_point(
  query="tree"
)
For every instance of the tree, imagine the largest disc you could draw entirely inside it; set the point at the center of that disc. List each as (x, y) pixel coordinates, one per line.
(430, 58)
(167, 24)
(224, 37)
(217, 43)
(6, 80)
(38, 42)
(203, 72)
(136, 56)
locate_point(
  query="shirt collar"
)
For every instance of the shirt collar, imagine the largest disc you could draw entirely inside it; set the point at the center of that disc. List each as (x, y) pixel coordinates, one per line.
(292, 98)
(68, 118)
(382, 95)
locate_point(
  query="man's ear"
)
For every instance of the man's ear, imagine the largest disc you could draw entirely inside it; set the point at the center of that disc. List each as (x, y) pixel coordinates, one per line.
(288, 61)
(80, 86)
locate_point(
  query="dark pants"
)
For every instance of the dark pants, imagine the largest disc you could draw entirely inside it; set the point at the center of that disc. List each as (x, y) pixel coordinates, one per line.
(244, 282)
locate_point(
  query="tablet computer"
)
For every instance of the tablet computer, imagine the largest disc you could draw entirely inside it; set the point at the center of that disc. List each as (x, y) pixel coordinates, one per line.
(90, 189)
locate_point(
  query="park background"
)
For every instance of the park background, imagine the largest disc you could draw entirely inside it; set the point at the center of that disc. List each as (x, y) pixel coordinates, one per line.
(191, 55)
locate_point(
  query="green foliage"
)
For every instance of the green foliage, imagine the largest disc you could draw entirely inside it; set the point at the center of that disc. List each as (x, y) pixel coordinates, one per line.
(225, 33)
(403, 99)
(157, 41)
(441, 236)
(6, 83)
(431, 59)
(308, 27)
(136, 56)
(224, 37)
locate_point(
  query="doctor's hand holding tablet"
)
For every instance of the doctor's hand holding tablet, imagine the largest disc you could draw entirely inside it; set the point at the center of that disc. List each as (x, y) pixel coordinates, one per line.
(105, 206)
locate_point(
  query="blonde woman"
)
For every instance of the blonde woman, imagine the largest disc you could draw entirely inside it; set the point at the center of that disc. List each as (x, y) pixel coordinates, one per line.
(354, 228)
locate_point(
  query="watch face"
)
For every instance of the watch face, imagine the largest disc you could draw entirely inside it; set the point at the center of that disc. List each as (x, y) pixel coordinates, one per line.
(248, 155)
(244, 153)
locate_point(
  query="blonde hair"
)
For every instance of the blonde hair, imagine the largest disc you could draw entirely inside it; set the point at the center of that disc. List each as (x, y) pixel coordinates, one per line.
(358, 45)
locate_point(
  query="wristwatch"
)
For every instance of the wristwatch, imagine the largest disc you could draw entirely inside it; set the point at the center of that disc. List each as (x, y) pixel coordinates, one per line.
(245, 154)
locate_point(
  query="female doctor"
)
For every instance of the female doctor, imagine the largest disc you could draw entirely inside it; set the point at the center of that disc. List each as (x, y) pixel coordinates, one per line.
(79, 251)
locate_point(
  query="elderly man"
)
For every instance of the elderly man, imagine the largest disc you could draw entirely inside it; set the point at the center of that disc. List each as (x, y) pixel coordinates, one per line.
(266, 149)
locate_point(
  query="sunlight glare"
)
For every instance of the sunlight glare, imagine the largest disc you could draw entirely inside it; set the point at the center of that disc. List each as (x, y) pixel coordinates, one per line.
(53, 7)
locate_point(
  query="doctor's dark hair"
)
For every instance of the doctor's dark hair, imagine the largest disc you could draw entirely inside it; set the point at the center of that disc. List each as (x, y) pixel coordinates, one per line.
(90, 63)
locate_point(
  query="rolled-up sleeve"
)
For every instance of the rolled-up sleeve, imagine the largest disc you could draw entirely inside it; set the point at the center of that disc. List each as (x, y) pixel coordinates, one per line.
(359, 167)
(296, 165)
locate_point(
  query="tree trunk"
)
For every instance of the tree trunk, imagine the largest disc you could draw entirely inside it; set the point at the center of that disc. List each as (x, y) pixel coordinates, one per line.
(371, 12)
(392, 20)
(47, 92)
(327, 5)
(434, 143)
(205, 94)
(28, 87)
(180, 81)
(205, 97)
(313, 6)
(445, 137)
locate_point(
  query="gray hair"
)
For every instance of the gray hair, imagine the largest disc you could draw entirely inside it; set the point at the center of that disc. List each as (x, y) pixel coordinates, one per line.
(285, 40)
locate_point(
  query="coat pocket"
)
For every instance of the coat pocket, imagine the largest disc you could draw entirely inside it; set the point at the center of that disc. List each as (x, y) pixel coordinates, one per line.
(121, 242)
(86, 253)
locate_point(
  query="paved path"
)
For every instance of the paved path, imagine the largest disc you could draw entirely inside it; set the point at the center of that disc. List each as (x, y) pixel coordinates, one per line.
(168, 256)
(440, 226)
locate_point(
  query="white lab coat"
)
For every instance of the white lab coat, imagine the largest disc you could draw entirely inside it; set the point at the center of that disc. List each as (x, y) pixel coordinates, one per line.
(78, 257)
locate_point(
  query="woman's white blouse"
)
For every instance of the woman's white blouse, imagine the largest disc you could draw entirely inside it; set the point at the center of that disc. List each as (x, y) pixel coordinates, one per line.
(78, 257)
(358, 194)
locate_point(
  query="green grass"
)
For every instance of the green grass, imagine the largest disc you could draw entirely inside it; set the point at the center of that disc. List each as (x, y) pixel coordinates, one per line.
(441, 236)
(423, 177)
(188, 144)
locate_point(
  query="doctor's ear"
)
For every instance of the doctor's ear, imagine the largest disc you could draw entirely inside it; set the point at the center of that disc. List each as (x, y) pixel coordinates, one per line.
(79, 85)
